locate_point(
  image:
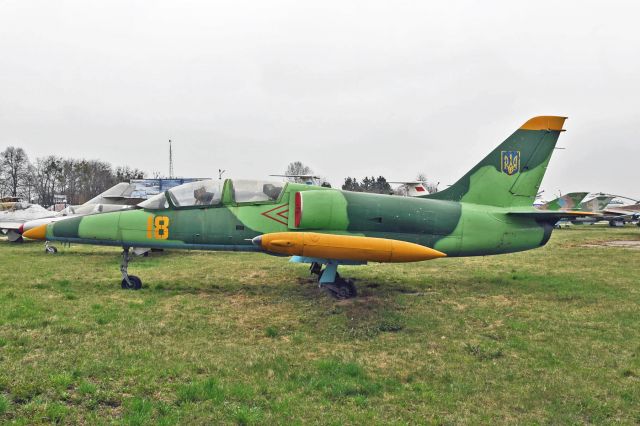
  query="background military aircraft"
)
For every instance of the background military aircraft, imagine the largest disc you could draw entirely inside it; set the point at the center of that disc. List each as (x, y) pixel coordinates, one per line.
(301, 178)
(488, 211)
(118, 197)
(600, 205)
(410, 188)
(15, 213)
(619, 214)
(570, 201)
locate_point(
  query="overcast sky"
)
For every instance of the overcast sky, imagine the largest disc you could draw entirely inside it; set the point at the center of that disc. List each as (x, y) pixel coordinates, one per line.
(349, 87)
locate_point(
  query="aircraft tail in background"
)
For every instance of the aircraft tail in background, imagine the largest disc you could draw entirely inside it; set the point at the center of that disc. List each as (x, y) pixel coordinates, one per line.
(569, 201)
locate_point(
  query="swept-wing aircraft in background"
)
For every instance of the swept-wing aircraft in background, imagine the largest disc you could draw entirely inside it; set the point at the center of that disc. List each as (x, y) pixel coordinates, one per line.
(618, 215)
(118, 197)
(570, 201)
(14, 214)
(410, 188)
(307, 179)
(601, 207)
(488, 211)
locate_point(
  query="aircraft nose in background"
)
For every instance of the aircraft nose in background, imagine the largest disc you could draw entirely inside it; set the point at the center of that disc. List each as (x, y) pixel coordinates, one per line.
(37, 233)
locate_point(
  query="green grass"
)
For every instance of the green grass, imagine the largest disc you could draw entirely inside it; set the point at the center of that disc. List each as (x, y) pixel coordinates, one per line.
(545, 336)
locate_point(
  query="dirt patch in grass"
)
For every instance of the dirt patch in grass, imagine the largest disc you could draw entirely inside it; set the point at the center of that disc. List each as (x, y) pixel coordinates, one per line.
(628, 244)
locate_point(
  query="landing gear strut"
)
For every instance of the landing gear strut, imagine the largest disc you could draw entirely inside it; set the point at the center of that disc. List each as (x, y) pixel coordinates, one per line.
(129, 282)
(330, 279)
(49, 249)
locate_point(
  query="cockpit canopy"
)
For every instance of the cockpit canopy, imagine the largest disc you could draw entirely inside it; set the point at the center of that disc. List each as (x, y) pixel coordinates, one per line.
(157, 202)
(252, 191)
(200, 193)
(209, 193)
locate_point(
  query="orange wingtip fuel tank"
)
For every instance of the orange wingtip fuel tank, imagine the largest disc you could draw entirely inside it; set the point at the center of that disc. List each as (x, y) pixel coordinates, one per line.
(37, 233)
(344, 247)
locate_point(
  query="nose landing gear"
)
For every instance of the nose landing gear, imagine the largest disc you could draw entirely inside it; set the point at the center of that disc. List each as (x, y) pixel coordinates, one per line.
(129, 282)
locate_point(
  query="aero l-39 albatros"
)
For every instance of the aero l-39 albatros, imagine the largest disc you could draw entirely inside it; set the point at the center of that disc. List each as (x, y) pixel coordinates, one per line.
(488, 211)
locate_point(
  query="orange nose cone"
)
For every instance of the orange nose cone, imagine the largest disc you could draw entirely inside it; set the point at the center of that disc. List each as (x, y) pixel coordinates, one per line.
(37, 233)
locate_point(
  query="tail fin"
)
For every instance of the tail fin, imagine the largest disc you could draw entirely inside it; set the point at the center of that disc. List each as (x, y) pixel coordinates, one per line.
(597, 204)
(569, 201)
(511, 174)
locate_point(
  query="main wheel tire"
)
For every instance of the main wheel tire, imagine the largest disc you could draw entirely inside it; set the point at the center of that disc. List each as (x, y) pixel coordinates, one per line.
(136, 283)
(345, 289)
(50, 250)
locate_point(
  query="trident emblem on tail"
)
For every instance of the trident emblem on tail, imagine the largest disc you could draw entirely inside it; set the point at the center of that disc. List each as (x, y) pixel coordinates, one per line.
(510, 162)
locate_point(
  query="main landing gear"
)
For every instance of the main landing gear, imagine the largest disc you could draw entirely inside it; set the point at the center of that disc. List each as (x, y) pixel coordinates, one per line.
(129, 282)
(330, 279)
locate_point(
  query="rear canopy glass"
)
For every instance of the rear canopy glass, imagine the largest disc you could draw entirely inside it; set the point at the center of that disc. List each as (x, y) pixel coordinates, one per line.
(252, 191)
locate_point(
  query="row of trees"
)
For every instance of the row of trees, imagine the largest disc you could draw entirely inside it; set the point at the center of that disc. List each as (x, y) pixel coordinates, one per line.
(78, 179)
(371, 184)
(377, 185)
(81, 180)
(380, 185)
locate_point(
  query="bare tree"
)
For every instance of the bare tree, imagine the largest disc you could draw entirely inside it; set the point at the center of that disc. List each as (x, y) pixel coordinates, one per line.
(47, 175)
(15, 169)
(78, 180)
(298, 168)
(126, 173)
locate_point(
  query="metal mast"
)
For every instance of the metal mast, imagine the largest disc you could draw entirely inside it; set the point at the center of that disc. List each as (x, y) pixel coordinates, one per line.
(170, 161)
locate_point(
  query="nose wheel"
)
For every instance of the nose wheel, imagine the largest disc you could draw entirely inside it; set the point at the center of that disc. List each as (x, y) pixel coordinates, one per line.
(129, 282)
(133, 283)
(49, 249)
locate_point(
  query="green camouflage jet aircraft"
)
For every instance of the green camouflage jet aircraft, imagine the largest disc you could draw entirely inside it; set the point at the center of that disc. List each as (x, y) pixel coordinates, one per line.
(599, 205)
(488, 211)
(570, 201)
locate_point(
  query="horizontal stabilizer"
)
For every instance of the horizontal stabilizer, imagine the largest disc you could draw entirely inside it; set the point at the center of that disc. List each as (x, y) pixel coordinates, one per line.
(551, 215)
(622, 212)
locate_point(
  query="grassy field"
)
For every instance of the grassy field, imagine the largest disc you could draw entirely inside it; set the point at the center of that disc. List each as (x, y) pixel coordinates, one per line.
(546, 336)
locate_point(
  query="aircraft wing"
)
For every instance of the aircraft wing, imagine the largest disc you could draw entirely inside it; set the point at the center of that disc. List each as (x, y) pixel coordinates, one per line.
(298, 176)
(5, 226)
(621, 212)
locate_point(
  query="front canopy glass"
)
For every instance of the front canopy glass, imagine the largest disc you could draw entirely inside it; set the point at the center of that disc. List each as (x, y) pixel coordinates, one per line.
(200, 193)
(157, 202)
